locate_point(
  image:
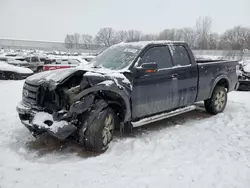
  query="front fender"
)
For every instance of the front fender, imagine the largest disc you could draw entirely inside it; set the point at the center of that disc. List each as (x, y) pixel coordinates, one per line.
(113, 87)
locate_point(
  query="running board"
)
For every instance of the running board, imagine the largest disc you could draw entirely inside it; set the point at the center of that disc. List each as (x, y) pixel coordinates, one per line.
(162, 116)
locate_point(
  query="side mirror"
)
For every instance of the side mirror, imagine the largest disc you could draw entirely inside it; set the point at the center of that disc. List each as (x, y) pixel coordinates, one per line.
(147, 68)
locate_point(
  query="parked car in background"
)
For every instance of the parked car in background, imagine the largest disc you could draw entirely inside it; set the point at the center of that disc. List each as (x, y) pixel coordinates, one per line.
(11, 72)
(63, 63)
(35, 63)
(244, 76)
(128, 85)
(15, 60)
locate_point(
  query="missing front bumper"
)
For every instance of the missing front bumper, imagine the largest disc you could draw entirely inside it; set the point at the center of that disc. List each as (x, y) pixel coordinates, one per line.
(40, 122)
(244, 85)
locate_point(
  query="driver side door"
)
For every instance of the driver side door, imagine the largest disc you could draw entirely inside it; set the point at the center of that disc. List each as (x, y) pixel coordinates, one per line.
(155, 92)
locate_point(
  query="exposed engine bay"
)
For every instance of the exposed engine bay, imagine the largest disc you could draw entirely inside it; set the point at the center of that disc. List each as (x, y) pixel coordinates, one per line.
(244, 79)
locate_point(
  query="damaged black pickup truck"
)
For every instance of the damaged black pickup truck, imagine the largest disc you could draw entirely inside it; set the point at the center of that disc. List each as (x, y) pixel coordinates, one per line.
(127, 85)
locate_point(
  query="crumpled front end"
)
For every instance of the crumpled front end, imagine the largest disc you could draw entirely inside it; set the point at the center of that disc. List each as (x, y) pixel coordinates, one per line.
(56, 107)
(244, 81)
(43, 122)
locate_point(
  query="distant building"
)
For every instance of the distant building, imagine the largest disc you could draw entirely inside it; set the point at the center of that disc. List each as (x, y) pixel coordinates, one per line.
(44, 45)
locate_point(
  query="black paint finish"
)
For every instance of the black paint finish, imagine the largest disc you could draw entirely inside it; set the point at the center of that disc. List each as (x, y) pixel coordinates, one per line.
(181, 83)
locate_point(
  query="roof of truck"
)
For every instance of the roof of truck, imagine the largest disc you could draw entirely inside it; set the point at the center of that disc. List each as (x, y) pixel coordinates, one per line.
(145, 43)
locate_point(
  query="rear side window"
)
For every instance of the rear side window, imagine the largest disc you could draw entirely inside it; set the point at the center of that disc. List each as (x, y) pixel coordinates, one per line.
(34, 59)
(159, 55)
(27, 59)
(42, 59)
(180, 56)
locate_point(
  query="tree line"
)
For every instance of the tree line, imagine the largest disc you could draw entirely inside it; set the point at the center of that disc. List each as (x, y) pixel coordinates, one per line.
(199, 37)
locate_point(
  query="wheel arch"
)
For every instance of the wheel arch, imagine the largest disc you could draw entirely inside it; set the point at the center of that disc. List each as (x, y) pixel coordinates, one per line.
(222, 80)
(122, 105)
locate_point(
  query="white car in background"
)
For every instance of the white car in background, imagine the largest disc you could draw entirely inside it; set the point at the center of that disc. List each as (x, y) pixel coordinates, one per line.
(15, 60)
(11, 72)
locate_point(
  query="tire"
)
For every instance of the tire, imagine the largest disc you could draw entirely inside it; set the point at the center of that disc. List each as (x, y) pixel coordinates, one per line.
(39, 69)
(218, 101)
(100, 131)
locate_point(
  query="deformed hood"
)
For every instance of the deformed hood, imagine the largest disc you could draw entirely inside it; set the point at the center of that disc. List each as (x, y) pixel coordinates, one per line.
(56, 77)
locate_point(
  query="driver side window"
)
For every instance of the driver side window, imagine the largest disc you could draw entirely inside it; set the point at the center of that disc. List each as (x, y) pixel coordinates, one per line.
(159, 55)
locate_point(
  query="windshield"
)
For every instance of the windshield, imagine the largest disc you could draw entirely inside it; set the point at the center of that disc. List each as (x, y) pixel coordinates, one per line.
(117, 57)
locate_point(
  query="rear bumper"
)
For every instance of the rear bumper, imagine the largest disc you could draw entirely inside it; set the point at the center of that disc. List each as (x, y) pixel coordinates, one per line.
(38, 122)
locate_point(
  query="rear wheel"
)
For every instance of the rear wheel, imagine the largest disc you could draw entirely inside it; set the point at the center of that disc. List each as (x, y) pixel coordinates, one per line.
(100, 132)
(217, 103)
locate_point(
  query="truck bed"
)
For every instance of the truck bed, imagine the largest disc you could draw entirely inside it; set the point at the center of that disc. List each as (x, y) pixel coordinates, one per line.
(212, 70)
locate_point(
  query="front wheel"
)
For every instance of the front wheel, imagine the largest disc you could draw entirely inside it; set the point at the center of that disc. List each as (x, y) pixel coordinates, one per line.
(218, 101)
(100, 132)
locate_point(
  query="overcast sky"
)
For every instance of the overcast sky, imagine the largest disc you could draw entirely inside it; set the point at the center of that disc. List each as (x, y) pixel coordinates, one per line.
(50, 20)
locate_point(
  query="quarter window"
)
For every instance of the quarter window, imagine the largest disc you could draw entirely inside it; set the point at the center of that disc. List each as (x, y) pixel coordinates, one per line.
(180, 55)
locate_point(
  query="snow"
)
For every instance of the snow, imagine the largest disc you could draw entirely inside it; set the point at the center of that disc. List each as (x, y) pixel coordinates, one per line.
(119, 75)
(93, 74)
(246, 65)
(7, 67)
(55, 75)
(247, 68)
(107, 82)
(142, 44)
(111, 73)
(190, 150)
(40, 117)
(17, 62)
(209, 57)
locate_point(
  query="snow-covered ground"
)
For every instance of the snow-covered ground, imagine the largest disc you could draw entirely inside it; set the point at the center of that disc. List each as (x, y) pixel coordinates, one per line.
(191, 150)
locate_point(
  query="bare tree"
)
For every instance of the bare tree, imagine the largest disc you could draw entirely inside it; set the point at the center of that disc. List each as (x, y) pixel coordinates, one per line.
(69, 41)
(77, 38)
(167, 34)
(87, 41)
(121, 36)
(199, 37)
(213, 41)
(133, 35)
(189, 36)
(149, 37)
(106, 36)
(203, 30)
(237, 38)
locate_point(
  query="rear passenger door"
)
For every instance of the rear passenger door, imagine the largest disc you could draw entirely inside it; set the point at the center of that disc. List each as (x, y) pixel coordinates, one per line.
(186, 75)
(155, 92)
